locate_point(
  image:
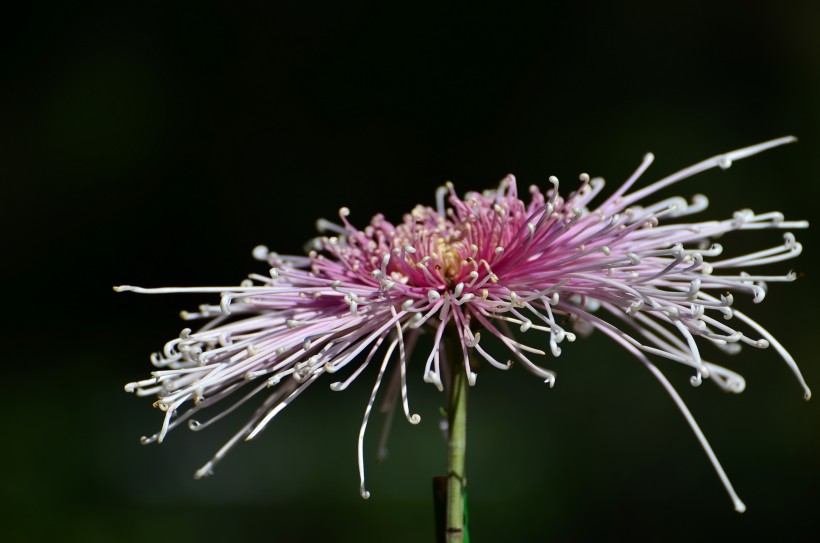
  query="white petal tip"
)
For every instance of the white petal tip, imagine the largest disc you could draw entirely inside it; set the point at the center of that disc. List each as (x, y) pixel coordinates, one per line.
(204, 471)
(364, 494)
(260, 252)
(740, 507)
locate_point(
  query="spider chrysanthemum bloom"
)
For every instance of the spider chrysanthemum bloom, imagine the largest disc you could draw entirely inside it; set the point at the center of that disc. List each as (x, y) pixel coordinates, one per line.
(471, 267)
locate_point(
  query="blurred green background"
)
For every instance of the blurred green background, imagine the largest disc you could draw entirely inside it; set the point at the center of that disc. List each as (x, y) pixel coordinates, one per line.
(158, 144)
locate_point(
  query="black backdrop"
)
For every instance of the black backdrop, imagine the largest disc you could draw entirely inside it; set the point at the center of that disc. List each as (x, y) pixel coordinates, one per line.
(158, 144)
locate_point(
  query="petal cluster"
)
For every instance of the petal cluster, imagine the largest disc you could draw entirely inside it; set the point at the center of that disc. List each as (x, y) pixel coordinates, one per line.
(551, 267)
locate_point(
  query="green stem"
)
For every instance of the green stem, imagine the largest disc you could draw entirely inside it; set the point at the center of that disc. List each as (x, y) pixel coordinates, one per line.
(457, 447)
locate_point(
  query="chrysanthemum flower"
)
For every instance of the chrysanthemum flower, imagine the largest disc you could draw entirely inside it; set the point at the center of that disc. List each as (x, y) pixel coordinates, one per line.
(469, 268)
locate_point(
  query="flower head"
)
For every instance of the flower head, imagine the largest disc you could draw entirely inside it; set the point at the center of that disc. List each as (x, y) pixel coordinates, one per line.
(553, 267)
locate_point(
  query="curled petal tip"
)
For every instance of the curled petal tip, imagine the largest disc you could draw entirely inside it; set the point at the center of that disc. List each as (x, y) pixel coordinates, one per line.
(204, 471)
(740, 507)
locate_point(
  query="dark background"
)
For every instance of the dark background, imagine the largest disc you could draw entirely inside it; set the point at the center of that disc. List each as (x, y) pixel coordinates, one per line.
(157, 145)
